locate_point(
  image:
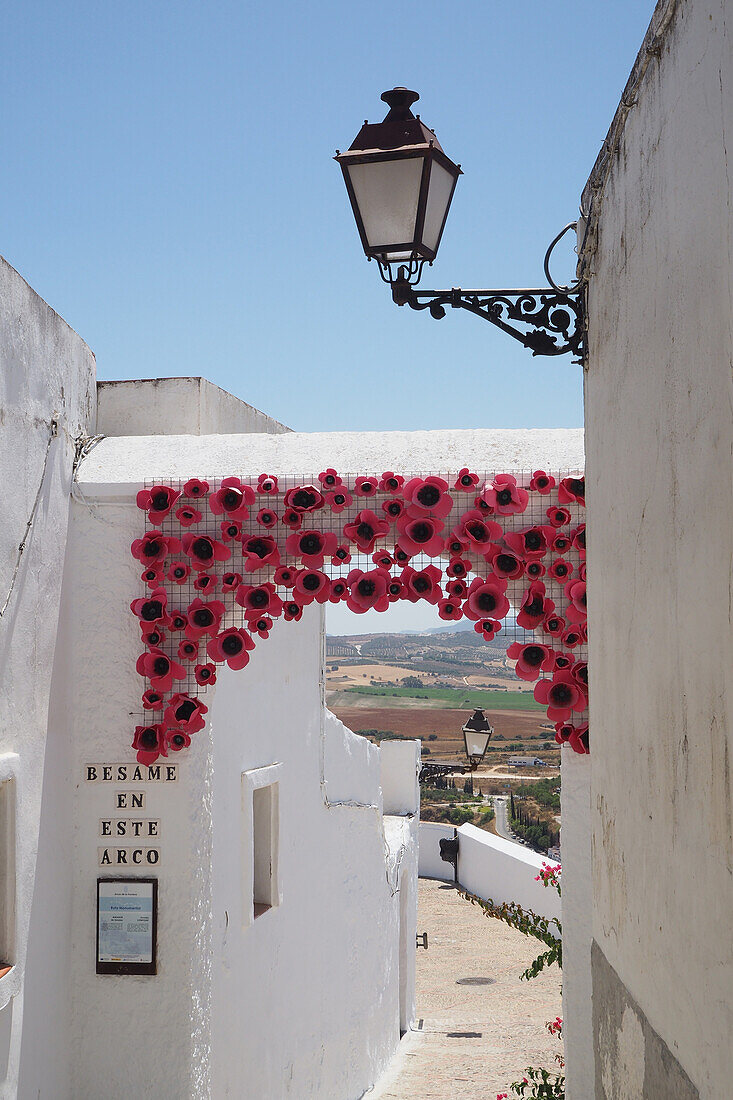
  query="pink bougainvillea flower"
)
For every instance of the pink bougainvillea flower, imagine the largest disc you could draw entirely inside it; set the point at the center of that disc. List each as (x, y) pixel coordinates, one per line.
(205, 674)
(505, 496)
(535, 569)
(186, 712)
(154, 547)
(531, 543)
(339, 499)
(427, 497)
(560, 569)
(391, 482)
(571, 489)
(450, 609)
(233, 646)
(292, 611)
(266, 483)
(475, 531)
(204, 551)
(396, 590)
(366, 486)
(576, 611)
(341, 556)
(159, 669)
(367, 590)
(311, 546)
(578, 537)
(152, 700)
(423, 584)
(563, 732)
(260, 551)
(542, 482)
(153, 577)
(456, 589)
(157, 502)
(230, 529)
(487, 628)
(152, 635)
(292, 518)
(149, 742)
(176, 620)
(261, 599)
(393, 508)
(205, 582)
(486, 599)
(188, 516)
(261, 626)
(466, 481)
(176, 739)
(560, 695)
(535, 606)
(232, 499)
(230, 582)
(505, 565)
(151, 608)
(310, 585)
(560, 543)
(365, 529)
(558, 517)
(571, 637)
(338, 590)
(579, 740)
(329, 479)
(266, 517)
(203, 618)
(422, 535)
(554, 625)
(285, 576)
(195, 489)
(458, 567)
(178, 572)
(304, 498)
(532, 659)
(188, 651)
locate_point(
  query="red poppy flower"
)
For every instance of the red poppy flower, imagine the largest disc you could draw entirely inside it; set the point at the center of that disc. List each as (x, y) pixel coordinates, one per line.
(458, 567)
(571, 489)
(152, 635)
(159, 669)
(266, 483)
(579, 741)
(578, 537)
(579, 672)
(195, 488)
(285, 576)
(505, 496)
(560, 543)
(259, 551)
(531, 659)
(466, 481)
(535, 606)
(581, 570)
(204, 551)
(367, 590)
(400, 556)
(366, 486)
(230, 530)
(560, 695)
(232, 499)
(558, 517)
(205, 582)
(176, 620)
(391, 482)
(553, 625)
(292, 519)
(153, 577)
(176, 739)
(576, 611)
(450, 609)
(292, 611)
(149, 741)
(534, 569)
(261, 599)
(561, 569)
(205, 674)
(311, 546)
(188, 516)
(427, 497)
(329, 479)
(456, 589)
(562, 661)
(154, 547)
(563, 732)
(339, 499)
(421, 535)
(266, 517)
(188, 651)
(151, 608)
(383, 558)
(203, 618)
(423, 584)
(178, 572)
(486, 599)
(571, 637)
(233, 646)
(483, 505)
(304, 498)
(338, 590)
(230, 582)
(152, 700)
(531, 543)
(185, 712)
(487, 628)
(475, 531)
(396, 590)
(365, 529)
(157, 502)
(310, 585)
(542, 482)
(393, 508)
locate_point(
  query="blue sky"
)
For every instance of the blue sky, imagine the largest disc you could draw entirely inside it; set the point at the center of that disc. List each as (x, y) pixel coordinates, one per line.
(167, 185)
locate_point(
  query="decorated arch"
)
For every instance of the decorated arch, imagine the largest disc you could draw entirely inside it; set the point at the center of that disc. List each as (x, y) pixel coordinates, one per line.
(223, 559)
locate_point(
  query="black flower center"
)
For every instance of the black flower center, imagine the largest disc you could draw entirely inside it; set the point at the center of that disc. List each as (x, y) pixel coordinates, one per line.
(189, 647)
(204, 673)
(154, 638)
(421, 532)
(160, 501)
(232, 644)
(232, 530)
(366, 487)
(153, 697)
(449, 608)
(339, 498)
(339, 589)
(533, 540)
(552, 624)
(330, 479)
(267, 517)
(293, 608)
(228, 579)
(310, 544)
(533, 569)
(203, 549)
(400, 555)
(304, 499)
(203, 617)
(258, 598)
(533, 655)
(393, 483)
(581, 672)
(341, 553)
(459, 569)
(504, 496)
(179, 740)
(535, 607)
(161, 666)
(571, 639)
(231, 499)
(262, 624)
(178, 622)
(151, 548)
(466, 480)
(258, 547)
(394, 589)
(152, 610)
(580, 538)
(365, 532)
(561, 695)
(149, 738)
(561, 570)
(421, 584)
(394, 508)
(179, 572)
(428, 496)
(562, 662)
(478, 531)
(559, 517)
(185, 710)
(542, 482)
(577, 486)
(311, 583)
(150, 575)
(486, 601)
(365, 587)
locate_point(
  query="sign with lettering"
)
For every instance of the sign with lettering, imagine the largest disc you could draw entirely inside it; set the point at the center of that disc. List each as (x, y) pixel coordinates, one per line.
(128, 857)
(127, 917)
(130, 773)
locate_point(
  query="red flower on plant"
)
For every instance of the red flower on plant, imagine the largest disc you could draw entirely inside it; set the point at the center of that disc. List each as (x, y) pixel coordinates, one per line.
(427, 497)
(504, 564)
(232, 499)
(186, 712)
(400, 556)
(203, 618)
(266, 483)
(233, 646)
(365, 529)
(393, 508)
(292, 518)
(505, 496)
(456, 589)
(151, 608)
(259, 551)
(531, 543)
(487, 628)
(458, 567)
(311, 546)
(367, 590)
(204, 551)
(558, 517)
(176, 620)
(422, 535)
(534, 569)
(266, 517)
(292, 611)
(159, 669)
(366, 486)
(176, 739)
(304, 498)
(195, 489)
(450, 609)
(230, 529)
(153, 577)
(423, 584)
(576, 611)
(157, 502)
(310, 585)
(341, 556)
(535, 606)
(338, 590)
(396, 590)
(188, 516)
(205, 674)
(383, 558)
(560, 569)
(560, 695)
(560, 543)
(149, 741)
(542, 482)
(391, 482)
(329, 479)
(261, 599)
(571, 637)
(205, 582)
(285, 576)
(531, 659)
(188, 651)
(563, 731)
(475, 531)
(152, 700)
(486, 599)
(339, 499)
(554, 625)
(178, 571)
(466, 480)
(261, 626)
(571, 489)
(230, 582)
(152, 635)
(154, 547)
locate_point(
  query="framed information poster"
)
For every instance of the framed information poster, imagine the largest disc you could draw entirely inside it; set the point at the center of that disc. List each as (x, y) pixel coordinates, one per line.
(127, 919)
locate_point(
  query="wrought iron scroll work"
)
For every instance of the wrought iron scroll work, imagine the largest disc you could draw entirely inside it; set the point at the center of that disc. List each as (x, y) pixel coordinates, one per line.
(555, 322)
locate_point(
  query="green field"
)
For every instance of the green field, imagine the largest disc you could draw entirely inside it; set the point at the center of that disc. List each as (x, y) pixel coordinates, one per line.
(455, 697)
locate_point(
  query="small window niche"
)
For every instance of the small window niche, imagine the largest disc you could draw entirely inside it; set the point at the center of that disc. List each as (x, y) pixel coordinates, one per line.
(261, 841)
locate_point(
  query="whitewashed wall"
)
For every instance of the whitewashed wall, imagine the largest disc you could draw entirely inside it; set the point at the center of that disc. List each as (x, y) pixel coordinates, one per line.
(659, 440)
(431, 864)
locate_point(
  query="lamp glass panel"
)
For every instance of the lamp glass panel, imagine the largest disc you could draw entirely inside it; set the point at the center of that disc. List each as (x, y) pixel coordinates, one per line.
(476, 743)
(387, 194)
(439, 196)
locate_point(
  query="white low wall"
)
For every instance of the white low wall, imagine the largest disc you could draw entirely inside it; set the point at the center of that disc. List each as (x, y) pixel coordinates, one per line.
(430, 864)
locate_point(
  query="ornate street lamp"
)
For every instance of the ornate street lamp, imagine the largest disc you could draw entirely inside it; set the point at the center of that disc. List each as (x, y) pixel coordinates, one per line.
(476, 736)
(401, 183)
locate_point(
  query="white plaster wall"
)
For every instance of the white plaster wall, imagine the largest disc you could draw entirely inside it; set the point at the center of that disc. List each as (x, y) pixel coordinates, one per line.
(46, 372)
(491, 867)
(431, 865)
(659, 437)
(400, 768)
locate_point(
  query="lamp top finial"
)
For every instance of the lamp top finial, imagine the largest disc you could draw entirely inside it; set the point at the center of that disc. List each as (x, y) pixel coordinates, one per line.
(399, 100)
